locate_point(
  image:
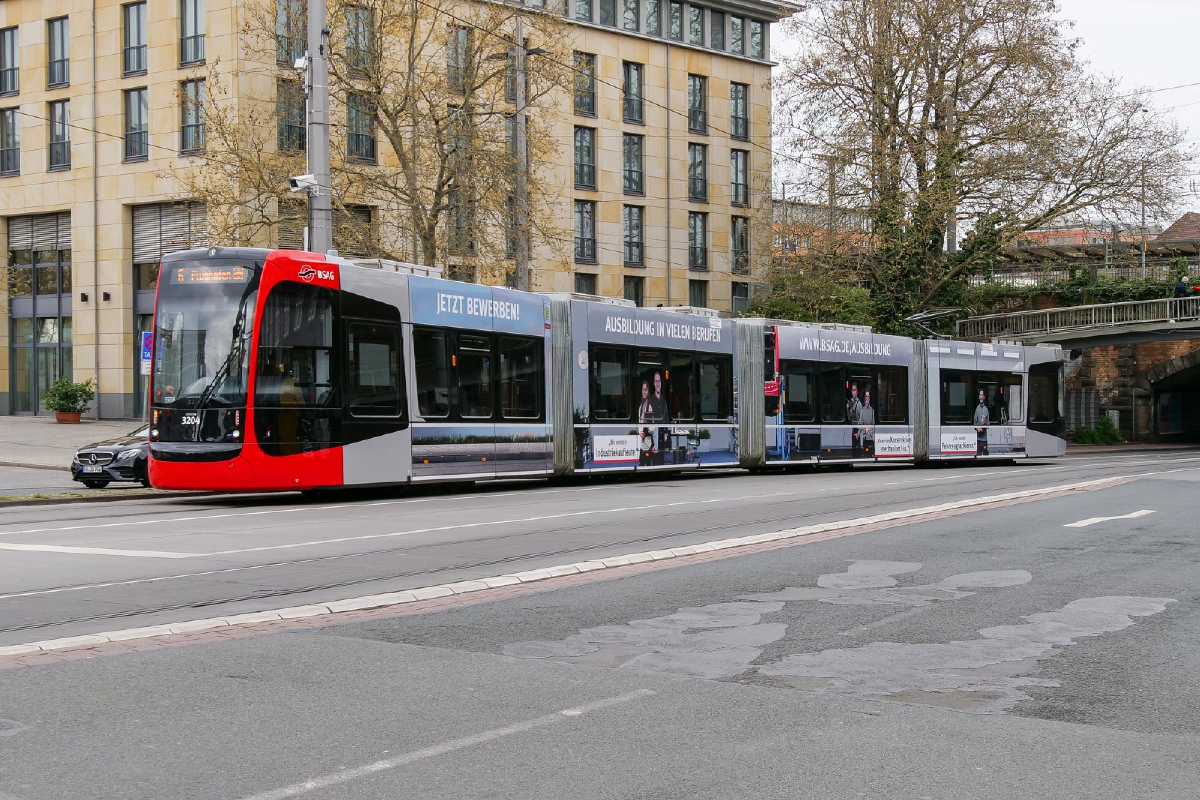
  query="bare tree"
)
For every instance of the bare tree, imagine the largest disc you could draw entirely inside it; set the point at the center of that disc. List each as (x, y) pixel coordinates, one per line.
(940, 111)
(422, 113)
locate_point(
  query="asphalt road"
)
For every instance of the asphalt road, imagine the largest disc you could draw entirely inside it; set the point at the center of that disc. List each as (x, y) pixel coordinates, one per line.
(994, 654)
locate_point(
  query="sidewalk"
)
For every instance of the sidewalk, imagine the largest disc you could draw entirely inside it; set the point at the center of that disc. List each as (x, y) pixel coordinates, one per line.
(42, 443)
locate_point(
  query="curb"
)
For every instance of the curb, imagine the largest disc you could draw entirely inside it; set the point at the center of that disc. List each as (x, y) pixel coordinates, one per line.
(530, 576)
(27, 465)
(141, 494)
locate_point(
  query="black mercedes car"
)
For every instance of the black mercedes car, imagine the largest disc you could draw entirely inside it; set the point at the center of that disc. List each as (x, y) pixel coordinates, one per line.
(121, 459)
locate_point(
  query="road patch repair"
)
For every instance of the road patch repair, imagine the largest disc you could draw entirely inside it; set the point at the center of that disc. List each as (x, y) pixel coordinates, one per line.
(488, 589)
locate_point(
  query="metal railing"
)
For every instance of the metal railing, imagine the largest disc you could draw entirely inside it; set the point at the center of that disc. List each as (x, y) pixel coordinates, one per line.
(191, 49)
(137, 145)
(60, 155)
(1054, 320)
(585, 249)
(10, 80)
(10, 161)
(135, 59)
(1037, 276)
(58, 73)
(632, 108)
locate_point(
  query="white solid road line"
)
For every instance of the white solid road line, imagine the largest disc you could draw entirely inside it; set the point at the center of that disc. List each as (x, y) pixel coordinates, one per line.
(346, 775)
(544, 573)
(95, 551)
(1083, 523)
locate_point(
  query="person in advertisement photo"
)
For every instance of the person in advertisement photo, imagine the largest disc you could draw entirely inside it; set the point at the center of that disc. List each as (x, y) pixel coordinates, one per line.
(854, 409)
(866, 418)
(647, 450)
(981, 420)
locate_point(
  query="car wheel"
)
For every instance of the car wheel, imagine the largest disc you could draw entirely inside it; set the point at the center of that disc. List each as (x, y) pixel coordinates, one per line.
(95, 484)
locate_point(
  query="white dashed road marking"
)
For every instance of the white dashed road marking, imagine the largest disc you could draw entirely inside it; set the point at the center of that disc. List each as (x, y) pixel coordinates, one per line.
(346, 775)
(1083, 523)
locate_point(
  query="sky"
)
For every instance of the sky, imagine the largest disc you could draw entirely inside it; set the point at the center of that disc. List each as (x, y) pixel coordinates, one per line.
(1151, 44)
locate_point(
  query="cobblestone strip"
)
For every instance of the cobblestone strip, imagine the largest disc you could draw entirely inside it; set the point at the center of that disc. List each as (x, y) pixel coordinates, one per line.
(486, 590)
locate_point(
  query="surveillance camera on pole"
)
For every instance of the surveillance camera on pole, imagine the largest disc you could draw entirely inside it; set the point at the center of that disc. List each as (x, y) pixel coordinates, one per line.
(298, 184)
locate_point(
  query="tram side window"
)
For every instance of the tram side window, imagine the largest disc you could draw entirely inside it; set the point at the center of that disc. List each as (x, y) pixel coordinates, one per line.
(682, 375)
(716, 387)
(891, 395)
(610, 384)
(833, 393)
(295, 347)
(1013, 410)
(958, 397)
(474, 372)
(521, 383)
(433, 373)
(993, 398)
(1043, 395)
(374, 355)
(298, 405)
(800, 390)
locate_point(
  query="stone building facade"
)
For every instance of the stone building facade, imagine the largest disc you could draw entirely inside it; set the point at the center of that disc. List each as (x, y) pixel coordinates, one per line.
(95, 121)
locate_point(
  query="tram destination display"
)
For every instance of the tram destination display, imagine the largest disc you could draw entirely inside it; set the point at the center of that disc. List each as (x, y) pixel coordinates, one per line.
(202, 275)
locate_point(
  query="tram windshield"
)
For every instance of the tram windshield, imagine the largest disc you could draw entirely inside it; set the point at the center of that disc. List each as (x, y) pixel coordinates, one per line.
(203, 327)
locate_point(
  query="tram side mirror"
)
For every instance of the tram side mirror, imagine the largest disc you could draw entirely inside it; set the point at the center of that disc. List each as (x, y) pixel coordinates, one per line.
(301, 183)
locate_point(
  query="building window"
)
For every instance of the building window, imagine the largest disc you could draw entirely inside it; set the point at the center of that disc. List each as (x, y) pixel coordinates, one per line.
(697, 240)
(739, 111)
(737, 27)
(10, 142)
(739, 169)
(676, 23)
(756, 39)
(360, 128)
(629, 14)
(462, 213)
(291, 30)
(60, 135)
(191, 32)
(631, 226)
(585, 231)
(510, 227)
(635, 289)
(633, 106)
(289, 108)
(608, 13)
(739, 237)
(458, 60)
(698, 294)
(717, 34)
(583, 10)
(585, 158)
(360, 38)
(137, 134)
(10, 72)
(695, 25)
(585, 84)
(585, 283)
(632, 157)
(697, 104)
(653, 17)
(58, 63)
(135, 38)
(191, 107)
(741, 297)
(698, 173)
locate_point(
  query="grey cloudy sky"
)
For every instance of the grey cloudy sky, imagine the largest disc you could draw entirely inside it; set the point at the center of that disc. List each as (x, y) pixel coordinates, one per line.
(1150, 44)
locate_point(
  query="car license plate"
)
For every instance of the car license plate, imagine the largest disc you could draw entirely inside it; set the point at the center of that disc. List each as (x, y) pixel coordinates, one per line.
(93, 468)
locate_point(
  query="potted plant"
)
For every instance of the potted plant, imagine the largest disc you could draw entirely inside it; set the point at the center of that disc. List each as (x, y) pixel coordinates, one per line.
(68, 400)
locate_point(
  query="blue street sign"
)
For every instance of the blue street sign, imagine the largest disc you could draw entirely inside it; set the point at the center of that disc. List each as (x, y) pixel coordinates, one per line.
(147, 346)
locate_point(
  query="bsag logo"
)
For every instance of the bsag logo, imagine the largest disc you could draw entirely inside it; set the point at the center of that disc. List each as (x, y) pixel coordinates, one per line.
(308, 273)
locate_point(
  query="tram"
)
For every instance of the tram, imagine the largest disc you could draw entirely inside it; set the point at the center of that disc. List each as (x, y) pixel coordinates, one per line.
(285, 370)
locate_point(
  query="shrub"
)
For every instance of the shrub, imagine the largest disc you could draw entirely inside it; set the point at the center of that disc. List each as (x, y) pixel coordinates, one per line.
(1105, 432)
(63, 395)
